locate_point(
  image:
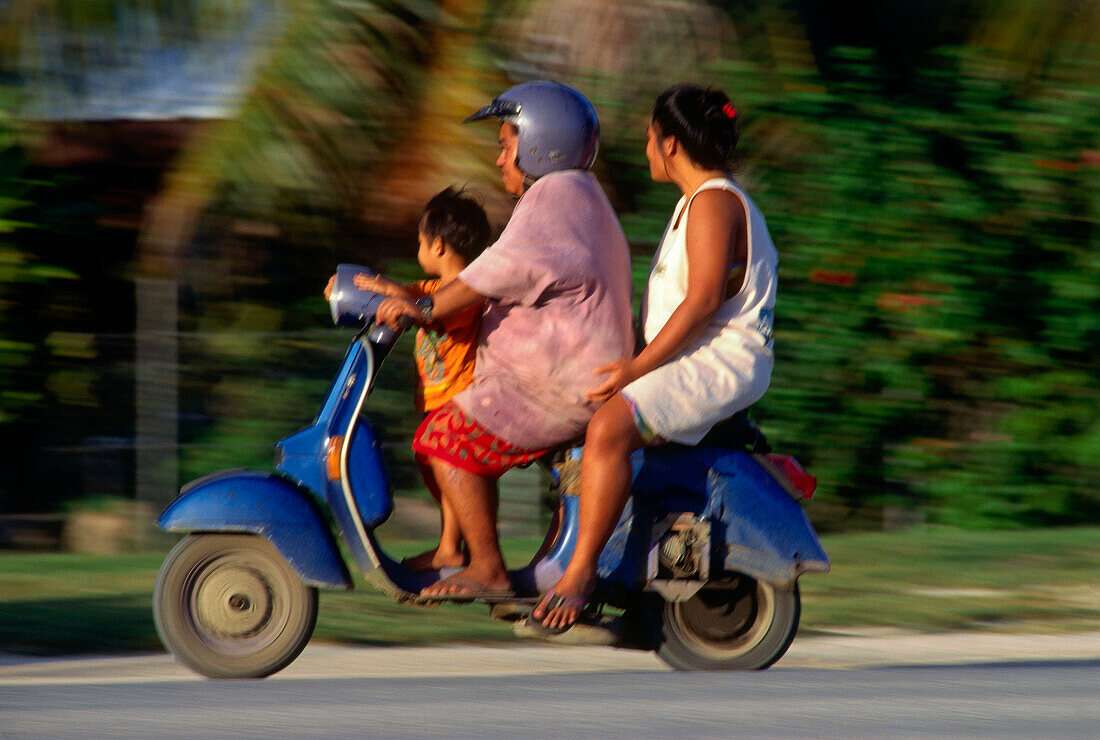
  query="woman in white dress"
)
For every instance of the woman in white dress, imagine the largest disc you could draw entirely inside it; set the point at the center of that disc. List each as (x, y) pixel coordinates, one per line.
(706, 319)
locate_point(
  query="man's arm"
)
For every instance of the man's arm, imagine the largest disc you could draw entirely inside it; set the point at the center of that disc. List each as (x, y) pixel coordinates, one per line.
(451, 298)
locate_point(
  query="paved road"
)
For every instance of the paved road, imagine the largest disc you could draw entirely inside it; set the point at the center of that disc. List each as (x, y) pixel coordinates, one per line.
(927, 686)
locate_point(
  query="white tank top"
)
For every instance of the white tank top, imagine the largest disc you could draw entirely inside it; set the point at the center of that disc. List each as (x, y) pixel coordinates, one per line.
(744, 322)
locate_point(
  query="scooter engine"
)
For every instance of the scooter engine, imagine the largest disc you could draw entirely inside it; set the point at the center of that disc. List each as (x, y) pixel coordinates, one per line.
(679, 558)
(677, 554)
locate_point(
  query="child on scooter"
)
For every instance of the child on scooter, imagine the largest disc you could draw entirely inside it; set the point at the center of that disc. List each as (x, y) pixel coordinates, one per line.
(453, 230)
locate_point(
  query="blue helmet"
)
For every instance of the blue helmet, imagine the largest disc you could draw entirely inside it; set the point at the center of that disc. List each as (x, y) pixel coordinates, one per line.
(558, 128)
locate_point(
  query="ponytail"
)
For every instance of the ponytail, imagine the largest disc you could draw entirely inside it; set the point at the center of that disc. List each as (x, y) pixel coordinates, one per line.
(703, 120)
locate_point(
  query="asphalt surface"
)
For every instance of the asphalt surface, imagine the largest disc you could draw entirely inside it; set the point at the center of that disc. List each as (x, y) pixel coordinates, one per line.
(871, 685)
(867, 649)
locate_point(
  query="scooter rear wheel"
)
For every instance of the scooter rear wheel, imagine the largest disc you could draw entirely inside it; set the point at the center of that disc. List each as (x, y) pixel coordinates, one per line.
(229, 606)
(738, 623)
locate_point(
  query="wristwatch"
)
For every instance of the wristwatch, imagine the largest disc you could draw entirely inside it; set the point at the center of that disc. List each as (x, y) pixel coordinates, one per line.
(426, 306)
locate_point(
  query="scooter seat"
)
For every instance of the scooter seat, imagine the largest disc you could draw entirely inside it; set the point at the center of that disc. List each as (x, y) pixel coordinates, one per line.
(559, 453)
(739, 432)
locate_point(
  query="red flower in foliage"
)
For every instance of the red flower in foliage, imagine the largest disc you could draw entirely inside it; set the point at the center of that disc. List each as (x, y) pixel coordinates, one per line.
(904, 301)
(1054, 164)
(829, 277)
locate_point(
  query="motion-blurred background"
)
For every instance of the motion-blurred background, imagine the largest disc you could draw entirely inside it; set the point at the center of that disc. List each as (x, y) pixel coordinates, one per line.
(178, 178)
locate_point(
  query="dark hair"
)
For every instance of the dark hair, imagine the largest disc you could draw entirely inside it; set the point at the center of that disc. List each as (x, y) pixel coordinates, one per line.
(458, 219)
(704, 122)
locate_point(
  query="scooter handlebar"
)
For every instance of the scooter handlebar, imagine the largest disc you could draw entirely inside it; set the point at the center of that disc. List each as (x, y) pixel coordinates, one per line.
(350, 305)
(385, 334)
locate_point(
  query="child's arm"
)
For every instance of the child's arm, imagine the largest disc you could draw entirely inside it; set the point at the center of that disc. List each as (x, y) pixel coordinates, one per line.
(380, 285)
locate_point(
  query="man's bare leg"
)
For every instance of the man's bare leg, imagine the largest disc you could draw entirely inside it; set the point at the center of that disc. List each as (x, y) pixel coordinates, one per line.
(473, 499)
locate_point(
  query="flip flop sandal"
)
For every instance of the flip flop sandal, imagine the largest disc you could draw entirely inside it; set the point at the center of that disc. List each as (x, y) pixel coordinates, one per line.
(476, 592)
(552, 601)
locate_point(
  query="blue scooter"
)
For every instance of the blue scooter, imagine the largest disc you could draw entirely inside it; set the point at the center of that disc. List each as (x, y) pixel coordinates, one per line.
(704, 563)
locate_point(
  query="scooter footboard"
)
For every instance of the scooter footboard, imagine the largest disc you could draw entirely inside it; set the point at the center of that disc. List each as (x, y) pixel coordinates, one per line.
(266, 505)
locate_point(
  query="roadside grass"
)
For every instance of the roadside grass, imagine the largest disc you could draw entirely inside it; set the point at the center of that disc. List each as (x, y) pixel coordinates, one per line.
(925, 578)
(934, 578)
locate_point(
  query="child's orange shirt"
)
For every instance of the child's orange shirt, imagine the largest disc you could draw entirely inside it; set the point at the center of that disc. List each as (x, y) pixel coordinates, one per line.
(444, 351)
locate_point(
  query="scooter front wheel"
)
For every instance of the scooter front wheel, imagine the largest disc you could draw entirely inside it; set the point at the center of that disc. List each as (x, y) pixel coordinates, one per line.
(737, 623)
(229, 606)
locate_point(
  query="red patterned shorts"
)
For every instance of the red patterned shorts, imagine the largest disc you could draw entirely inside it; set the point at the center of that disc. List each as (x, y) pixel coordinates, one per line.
(453, 437)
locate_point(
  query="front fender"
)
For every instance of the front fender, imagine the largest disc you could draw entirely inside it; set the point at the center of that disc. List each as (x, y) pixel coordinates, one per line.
(267, 505)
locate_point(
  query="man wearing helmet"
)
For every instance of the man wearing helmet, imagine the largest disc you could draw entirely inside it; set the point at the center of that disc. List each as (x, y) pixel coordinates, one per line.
(557, 292)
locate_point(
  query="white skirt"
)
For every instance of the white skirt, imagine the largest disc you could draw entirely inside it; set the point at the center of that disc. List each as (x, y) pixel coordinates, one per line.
(684, 398)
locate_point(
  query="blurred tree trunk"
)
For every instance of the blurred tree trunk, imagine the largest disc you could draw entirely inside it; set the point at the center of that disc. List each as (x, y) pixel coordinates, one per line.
(437, 150)
(1042, 39)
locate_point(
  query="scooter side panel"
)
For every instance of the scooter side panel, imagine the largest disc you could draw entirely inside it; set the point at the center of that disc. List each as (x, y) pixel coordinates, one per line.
(663, 483)
(266, 505)
(766, 533)
(370, 484)
(759, 529)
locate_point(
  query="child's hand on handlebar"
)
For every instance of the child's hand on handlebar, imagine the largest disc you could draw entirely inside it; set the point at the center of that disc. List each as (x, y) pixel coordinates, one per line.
(391, 311)
(619, 374)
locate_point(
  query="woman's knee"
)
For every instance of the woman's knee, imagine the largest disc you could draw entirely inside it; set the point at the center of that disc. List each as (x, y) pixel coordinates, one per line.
(612, 429)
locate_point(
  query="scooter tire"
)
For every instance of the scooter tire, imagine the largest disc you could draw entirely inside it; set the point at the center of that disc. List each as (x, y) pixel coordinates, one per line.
(738, 623)
(229, 606)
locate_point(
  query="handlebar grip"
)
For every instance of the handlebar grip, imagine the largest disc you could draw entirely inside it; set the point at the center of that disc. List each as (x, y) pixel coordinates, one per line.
(383, 334)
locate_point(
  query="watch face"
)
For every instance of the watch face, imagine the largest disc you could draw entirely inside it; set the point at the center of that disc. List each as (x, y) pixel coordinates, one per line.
(426, 305)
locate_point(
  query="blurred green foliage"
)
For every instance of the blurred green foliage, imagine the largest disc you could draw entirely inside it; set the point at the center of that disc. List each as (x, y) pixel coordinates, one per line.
(20, 271)
(939, 305)
(939, 309)
(14, 353)
(933, 196)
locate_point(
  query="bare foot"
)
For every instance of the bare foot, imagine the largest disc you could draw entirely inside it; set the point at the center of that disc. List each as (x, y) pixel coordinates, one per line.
(562, 605)
(435, 559)
(470, 582)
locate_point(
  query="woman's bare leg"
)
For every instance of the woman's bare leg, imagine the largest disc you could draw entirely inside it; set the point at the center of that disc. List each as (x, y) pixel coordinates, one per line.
(604, 489)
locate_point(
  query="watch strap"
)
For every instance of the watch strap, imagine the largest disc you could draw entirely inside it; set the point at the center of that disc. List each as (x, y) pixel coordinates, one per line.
(426, 306)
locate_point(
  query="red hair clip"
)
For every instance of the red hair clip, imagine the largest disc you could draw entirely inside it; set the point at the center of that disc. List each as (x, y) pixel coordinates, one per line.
(729, 110)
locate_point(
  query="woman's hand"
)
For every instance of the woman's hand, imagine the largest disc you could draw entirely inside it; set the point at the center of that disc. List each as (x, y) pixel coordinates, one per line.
(328, 288)
(391, 310)
(619, 373)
